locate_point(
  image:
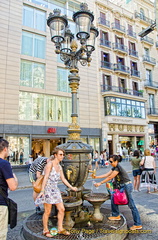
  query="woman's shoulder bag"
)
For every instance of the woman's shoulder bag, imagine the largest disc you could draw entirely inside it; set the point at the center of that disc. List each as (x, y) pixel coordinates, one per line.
(37, 185)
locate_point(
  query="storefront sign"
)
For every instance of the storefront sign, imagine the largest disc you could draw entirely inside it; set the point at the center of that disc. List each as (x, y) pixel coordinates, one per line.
(125, 128)
(51, 130)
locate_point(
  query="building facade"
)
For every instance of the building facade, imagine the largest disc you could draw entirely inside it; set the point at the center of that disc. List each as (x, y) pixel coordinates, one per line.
(127, 74)
(35, 95)
(117, 96)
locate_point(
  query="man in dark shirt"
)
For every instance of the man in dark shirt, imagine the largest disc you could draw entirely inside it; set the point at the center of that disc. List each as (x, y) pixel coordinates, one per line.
(7, 180)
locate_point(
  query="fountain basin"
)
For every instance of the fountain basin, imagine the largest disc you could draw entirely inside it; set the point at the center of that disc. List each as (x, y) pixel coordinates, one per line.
(96, 199)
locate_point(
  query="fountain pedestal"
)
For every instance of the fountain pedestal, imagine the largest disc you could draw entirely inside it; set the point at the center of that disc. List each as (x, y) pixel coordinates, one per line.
(70, 205)
(96, 199)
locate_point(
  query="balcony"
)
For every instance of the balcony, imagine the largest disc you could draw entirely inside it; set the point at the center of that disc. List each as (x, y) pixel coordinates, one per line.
(156, 44)
(131, 34)
(107, 65)
(118, 28)
(149, 60)
(106, 88)
(152, 111)
(105, 43)
(121, 68)
(120, 47)
(104, 22)
(148, 40)
(142, 17)
(150, 83)
(135, 73)
(133, 53)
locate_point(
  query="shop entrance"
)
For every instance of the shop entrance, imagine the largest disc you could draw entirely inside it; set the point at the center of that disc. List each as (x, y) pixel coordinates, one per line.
(44, 147)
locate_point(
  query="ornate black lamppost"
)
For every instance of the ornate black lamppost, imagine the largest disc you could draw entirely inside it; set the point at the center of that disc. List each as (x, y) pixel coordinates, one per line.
(75, 163)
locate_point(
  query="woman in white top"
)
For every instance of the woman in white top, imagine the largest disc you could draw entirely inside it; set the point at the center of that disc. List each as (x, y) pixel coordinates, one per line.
(148, 178)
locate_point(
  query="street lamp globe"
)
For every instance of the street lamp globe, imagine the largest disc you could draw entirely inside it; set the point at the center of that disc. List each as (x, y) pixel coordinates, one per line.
(91, 40)
(83, 19)
(57, 26)
(69, 36)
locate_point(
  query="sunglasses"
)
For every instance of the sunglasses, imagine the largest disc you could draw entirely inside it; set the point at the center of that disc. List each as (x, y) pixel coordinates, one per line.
(61, 154)
(111, 161)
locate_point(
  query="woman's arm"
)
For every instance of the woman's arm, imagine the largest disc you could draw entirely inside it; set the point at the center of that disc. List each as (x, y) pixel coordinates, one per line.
(47, 170)
(142, 161)
(102, 176)
(66, 182)
(154, 165)
(113, 174)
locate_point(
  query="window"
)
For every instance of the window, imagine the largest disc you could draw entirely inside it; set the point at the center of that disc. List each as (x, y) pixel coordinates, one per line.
(148, 75)
(151, 101)
(122, 85)
(33, 45)
(132, 46)
(117, 22)
(120, 60)
(105, 57)
(134, 66)
(34, 18)
(146, 52)
(44, 107)
(107, 83)
(72, 7)
(142, 13)
(43, 3)
(124, 107)
(62, 80)
(118, 40)
(32, 74)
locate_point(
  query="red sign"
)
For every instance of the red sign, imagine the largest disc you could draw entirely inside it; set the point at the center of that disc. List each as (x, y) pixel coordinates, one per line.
(51, 130)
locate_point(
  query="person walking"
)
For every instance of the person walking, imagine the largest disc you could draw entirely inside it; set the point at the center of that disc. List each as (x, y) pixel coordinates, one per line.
(122, 180)
(135, 162)
(35, 171)
(8, 180)
(50, 193)
(148, 178)
(96, 159)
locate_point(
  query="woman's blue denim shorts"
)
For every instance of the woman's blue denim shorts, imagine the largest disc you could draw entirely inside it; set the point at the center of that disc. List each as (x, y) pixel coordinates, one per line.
(136, 172)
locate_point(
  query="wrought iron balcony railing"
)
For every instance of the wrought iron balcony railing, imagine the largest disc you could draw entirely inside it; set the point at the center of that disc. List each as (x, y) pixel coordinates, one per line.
(152, 111)
(104, 22)
(105, 43)
(135, 73)
(144, 18)
(150, 83)
(122, 68)
(131, 33)
(107, 65)
(149, 59)
(133, 53)
(120, 47)
(118, 27)
(147, 39)
(106, 88)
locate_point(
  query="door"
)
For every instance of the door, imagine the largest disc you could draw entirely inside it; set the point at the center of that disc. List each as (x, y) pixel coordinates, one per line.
(110, 148)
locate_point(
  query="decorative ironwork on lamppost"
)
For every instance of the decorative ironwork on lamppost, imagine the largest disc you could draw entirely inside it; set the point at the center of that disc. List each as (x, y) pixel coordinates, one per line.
(75, 163)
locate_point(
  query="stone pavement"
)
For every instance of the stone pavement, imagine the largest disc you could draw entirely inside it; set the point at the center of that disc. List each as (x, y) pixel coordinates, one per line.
(147, 205)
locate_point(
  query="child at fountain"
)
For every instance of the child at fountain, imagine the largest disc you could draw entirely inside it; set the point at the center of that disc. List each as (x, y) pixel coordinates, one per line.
(120, 178)
(50, 193)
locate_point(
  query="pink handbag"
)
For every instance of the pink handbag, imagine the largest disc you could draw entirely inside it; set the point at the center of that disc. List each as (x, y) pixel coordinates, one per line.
(120, 198)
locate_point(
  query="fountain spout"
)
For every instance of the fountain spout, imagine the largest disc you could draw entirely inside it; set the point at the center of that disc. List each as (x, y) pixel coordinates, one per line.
(93, 172)
(68, 173)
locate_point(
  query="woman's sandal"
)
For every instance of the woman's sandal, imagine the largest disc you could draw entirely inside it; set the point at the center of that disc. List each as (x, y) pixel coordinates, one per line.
(47, 234)
(64, 232)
